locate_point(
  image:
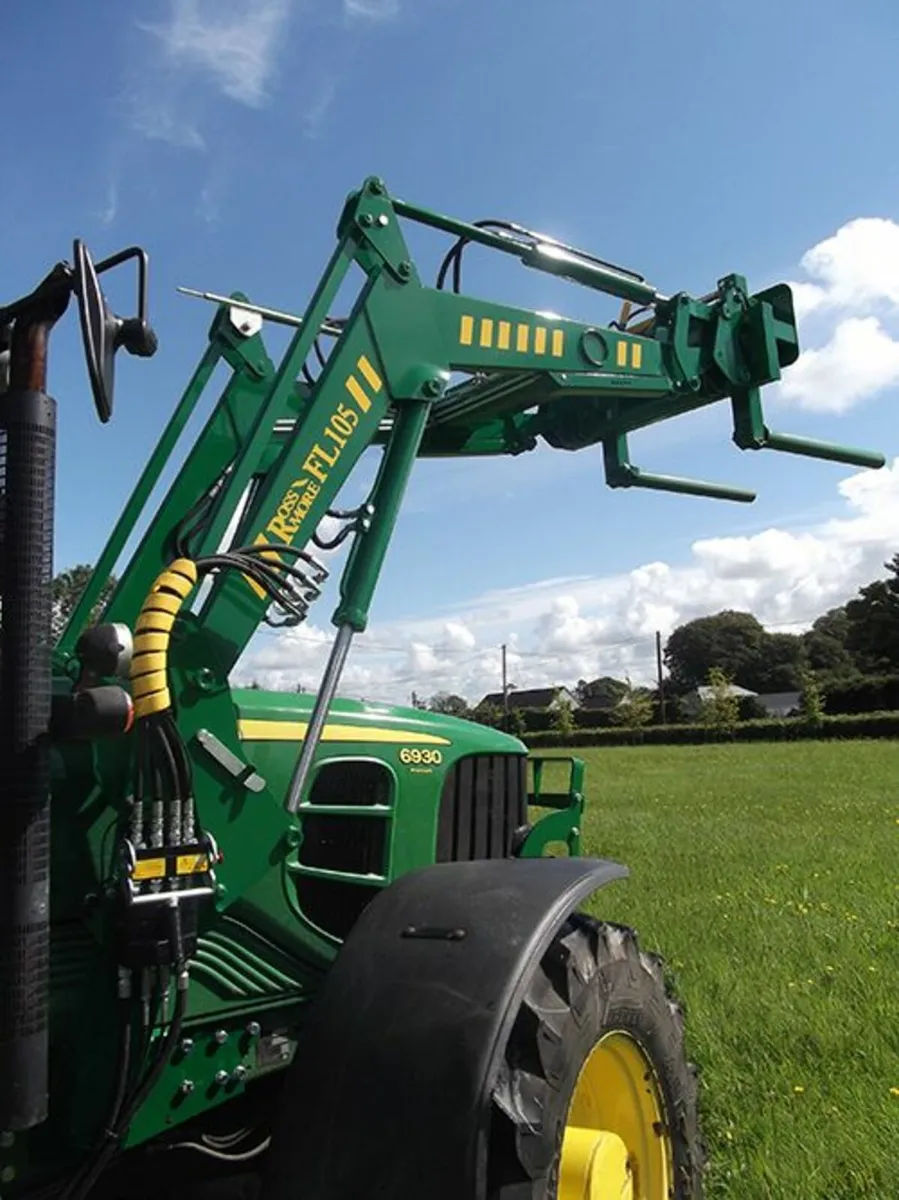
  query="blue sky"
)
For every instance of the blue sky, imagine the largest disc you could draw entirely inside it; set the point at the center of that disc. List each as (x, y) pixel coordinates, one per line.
(683, 141)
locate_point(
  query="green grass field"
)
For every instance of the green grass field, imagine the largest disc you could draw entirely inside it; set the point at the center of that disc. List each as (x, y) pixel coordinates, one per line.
(768, 877)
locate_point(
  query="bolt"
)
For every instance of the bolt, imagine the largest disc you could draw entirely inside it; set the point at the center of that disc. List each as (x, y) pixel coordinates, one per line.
(221, 1036)
(187, 1086)
(382, 220)
(254, 1029)
(187, 1044)
(240, 1073)
(221, 1078)
(432, 387)
(366, 219)
(404, 270)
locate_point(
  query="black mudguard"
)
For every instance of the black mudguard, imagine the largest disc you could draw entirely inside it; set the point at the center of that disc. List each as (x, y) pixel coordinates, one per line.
(389, 1094)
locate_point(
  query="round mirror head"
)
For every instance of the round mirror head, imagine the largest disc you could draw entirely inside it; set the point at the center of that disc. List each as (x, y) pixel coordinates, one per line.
(98, 330)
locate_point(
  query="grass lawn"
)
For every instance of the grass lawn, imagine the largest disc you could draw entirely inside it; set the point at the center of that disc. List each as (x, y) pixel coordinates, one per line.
(768, 877)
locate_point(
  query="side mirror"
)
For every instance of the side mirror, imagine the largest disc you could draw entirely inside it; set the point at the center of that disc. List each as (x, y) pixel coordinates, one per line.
(102, 331)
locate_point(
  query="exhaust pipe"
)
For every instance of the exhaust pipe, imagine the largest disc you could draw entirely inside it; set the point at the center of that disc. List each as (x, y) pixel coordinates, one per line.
(27, 485)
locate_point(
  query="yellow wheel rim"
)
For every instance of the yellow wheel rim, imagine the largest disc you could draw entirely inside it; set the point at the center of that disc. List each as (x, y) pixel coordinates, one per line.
(615, 1145)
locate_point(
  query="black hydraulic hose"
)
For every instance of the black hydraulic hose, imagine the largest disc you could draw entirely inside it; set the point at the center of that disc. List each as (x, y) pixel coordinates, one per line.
(122, 1071)
(117, 1130)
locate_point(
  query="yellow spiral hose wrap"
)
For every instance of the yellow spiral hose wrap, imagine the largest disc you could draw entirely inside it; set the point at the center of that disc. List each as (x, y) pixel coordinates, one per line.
(149, 666)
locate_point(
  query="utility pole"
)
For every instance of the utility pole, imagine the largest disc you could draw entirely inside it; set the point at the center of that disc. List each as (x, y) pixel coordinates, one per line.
(505, 693)
(659, 673)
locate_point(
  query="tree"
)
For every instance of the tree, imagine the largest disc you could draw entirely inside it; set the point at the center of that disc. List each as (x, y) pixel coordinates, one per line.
(737, 643)
(605, 690)
(67, 588)
(825, 645)
(447, 702)
(873, 623)
(721, 710)
(811, 699)
(635, 708)
(563, 718)
(729, 640)
(517, 726)
(487, 714)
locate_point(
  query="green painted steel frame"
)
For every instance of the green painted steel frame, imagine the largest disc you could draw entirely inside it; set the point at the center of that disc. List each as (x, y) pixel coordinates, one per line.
(276, 452)
(564, 824)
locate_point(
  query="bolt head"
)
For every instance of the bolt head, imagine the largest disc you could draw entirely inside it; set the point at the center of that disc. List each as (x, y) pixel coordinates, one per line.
(240, 1073)
(405, 270)
(254, 1029)
(187, 1086)
(221, 1078)
(221, 1036)
(187, 1044)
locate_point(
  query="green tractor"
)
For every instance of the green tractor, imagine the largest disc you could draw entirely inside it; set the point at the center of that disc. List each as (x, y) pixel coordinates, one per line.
(305, 948)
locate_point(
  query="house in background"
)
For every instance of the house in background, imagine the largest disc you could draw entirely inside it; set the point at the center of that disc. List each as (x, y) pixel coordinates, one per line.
(775, 704)
(780, 704)
(546, 699)
(693, 701)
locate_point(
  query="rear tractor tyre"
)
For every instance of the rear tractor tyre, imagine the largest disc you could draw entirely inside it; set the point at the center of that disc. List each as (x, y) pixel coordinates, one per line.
(595, 1097)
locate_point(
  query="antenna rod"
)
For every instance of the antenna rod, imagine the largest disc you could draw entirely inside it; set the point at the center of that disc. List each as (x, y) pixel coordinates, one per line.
(331, 326)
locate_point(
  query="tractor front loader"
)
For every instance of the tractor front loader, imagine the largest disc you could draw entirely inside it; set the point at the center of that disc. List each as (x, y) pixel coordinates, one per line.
(304, 947)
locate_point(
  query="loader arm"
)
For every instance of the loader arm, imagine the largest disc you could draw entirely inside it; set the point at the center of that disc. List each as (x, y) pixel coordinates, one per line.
(281, 443)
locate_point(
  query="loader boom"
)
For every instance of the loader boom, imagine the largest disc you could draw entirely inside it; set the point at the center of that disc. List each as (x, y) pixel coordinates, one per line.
(279, 451)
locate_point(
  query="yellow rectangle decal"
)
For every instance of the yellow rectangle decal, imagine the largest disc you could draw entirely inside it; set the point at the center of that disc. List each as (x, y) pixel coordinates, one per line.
(486, 331)
(622, 354)
(636, 355)
(466, 331)
(190, 864)
(558, 343)
(149, 868)
(503, 335)
(253, 730)
(539, 340)
(355, 389)
(372, 378)
(522, 335)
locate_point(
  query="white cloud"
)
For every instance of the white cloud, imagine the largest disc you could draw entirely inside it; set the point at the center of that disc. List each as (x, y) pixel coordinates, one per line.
(846, 309)
(859, 360)
(558, 631)
(856, 267)
(372, 10)
(234, 42)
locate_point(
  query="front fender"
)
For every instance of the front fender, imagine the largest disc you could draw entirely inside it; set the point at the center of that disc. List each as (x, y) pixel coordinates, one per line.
(389, 1092)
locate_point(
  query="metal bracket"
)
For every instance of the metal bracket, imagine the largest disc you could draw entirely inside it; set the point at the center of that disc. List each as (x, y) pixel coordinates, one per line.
(244, 773)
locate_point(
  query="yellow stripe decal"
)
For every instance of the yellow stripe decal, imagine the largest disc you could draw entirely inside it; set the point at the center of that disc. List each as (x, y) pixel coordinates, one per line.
(622, 354)
(149, 868)
(504, 335)
(539, 340)
(466, 331)
(190, 864)
(521, 339)
(636, 355)
(486, 331)
(558, 343)
(372, 378)
(251, 730)
(355, 389)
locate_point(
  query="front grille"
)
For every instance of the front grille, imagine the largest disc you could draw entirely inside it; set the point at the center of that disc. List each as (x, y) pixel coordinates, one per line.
(484, 801)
